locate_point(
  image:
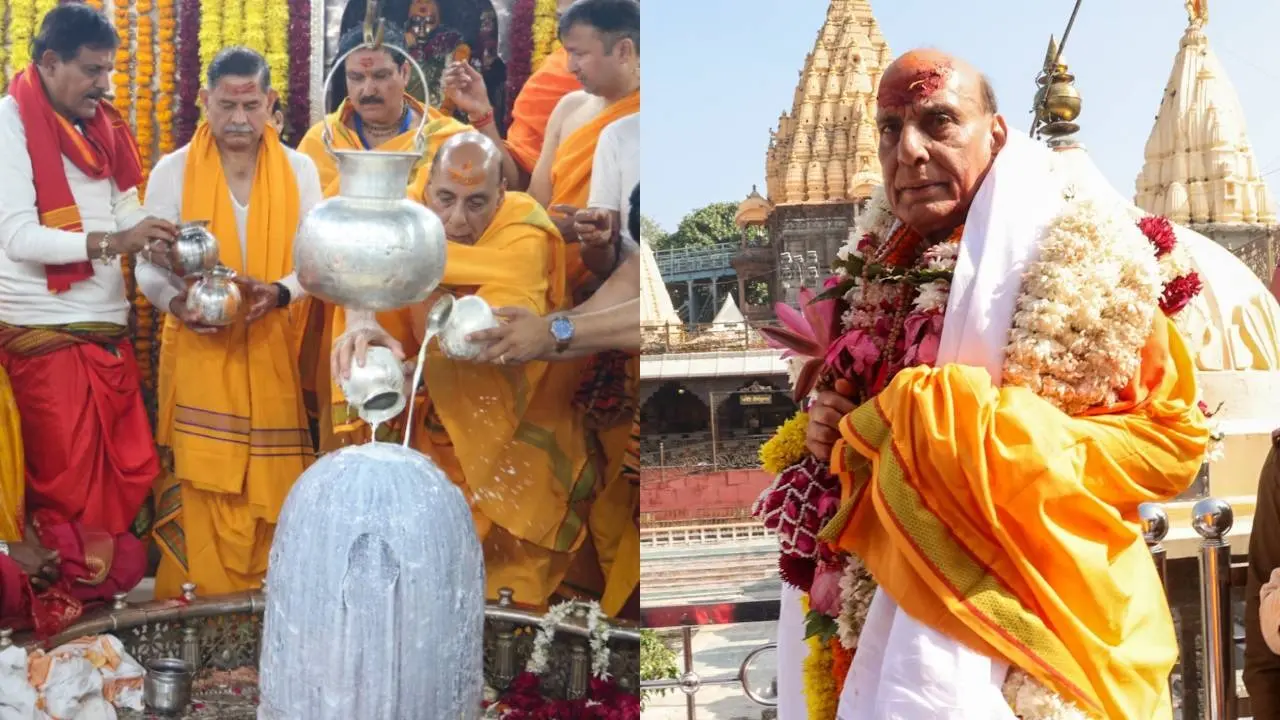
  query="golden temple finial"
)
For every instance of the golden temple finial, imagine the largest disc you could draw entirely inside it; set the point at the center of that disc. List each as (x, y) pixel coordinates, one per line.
(373, 25)
(1057, 103)
(1197, 12)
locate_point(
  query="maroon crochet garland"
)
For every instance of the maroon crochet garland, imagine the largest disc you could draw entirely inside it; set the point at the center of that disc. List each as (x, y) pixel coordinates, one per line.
(521, 66)
(299, 110)
(188, 115)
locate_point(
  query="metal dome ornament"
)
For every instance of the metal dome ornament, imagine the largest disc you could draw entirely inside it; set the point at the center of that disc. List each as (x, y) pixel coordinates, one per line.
(376, 603)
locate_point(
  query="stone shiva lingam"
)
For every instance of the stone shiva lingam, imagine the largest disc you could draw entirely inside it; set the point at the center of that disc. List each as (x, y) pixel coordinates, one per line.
(376, 576)
(375, 606)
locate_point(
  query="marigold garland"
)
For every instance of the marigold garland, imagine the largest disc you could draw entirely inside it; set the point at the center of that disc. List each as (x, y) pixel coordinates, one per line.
(42, 7)
(144, 94)
(277, 47)
(211, 14)
(786, 447)
(166, 77)
(22, 20)
(232, 24)
(255, 25)
(820, 696)
(4, 49)
(121, 79)
(841, 661)
(546, 22)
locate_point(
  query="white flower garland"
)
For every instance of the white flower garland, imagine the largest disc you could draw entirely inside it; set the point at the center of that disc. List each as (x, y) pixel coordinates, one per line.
(857, 588)
(597, 635)
(1085, 310)
(1030, 700)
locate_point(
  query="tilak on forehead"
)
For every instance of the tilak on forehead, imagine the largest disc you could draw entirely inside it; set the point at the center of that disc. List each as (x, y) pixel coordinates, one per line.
(913, 78)
(467, 173)
(242, 87)
(366, 62)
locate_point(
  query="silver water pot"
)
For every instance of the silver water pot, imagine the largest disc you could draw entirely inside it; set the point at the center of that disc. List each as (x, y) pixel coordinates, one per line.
(215, 297)
(194, 250)
(369, 247)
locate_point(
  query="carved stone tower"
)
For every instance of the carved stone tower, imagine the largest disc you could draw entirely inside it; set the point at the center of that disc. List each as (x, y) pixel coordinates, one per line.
(822, 160)
(1199, 168)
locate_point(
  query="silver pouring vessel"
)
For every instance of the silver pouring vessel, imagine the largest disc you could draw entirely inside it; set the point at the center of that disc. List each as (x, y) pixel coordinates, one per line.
(215, 297)
(468, 314)
(376, 389)
(369, 247)
(194, 250)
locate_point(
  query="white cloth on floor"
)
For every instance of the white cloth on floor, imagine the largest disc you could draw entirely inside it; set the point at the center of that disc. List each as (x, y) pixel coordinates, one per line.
(17, 697)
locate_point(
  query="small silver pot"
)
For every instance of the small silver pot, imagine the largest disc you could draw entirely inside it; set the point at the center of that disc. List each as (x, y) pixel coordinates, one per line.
(167, 687)
(215, 297)
(376, 390)
(195, 249)
(470, 314)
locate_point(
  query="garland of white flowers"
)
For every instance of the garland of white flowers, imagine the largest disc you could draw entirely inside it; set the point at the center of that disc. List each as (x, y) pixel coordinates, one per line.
(597, 635)
(1085, 310)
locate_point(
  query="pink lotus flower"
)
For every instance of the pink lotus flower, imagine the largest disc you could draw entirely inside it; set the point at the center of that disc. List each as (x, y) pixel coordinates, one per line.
(824, 594)
(923, 332)
(805, 333)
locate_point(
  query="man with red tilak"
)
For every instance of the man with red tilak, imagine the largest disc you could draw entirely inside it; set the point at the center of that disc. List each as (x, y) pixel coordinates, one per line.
(1004, 388)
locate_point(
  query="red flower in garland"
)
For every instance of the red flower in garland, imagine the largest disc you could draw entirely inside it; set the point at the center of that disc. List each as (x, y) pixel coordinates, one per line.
(521, 65)
(188, 115)
(1180, 291)
(299, 107)
(1159, 231)
(605, 701)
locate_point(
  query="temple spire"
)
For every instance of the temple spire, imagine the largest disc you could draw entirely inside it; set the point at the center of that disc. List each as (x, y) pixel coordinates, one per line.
(1199, 167)
(825, 149)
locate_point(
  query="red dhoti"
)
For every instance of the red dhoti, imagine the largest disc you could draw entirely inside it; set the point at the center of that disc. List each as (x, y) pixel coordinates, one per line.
(89, 449)
(90, 461)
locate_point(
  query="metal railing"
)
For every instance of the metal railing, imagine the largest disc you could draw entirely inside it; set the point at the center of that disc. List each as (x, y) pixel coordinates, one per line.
(703, 535)
(713, 454)
(702, 258)
(1211, 519)
(660, 339)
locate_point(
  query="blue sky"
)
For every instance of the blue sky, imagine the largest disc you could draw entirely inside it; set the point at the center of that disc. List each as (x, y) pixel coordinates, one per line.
(718, 73)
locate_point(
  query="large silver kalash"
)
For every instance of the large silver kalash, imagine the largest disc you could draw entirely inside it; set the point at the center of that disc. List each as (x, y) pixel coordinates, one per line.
(369, 247)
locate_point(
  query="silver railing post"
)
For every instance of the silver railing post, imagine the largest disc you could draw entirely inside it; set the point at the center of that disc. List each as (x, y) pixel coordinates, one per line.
(690, 683)
(1212, 519)
(1155, 526)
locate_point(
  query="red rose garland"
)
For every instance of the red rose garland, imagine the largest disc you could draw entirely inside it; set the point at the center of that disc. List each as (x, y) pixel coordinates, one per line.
(188, 70)
(1182, 289)
(299, 111)
(605, 701)
(521, 66)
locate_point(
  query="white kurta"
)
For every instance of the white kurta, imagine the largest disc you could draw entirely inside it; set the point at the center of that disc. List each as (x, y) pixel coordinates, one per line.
(28, 246)
(164, 200)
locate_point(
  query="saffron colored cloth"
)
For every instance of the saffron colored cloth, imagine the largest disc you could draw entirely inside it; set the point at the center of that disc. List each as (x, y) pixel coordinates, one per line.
(990, 516)
(93, 566)
(534, 105)
(440, 127)
(571, 174)
(230, 402)
(12, 466)
(101, 148)
(86, 437)
(517, 450)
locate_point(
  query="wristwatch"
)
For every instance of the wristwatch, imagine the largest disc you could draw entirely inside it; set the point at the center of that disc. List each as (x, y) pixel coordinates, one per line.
(283, 296)
(562, 331)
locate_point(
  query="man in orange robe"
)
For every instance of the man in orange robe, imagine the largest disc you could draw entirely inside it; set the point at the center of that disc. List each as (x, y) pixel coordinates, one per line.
(239, 443)
(534, 105)
(996, 503)
(378, 115)
(516, 450)
(71, 411)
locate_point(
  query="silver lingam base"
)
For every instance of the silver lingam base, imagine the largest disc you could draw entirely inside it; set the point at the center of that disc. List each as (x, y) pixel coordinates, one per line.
(222, 636)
